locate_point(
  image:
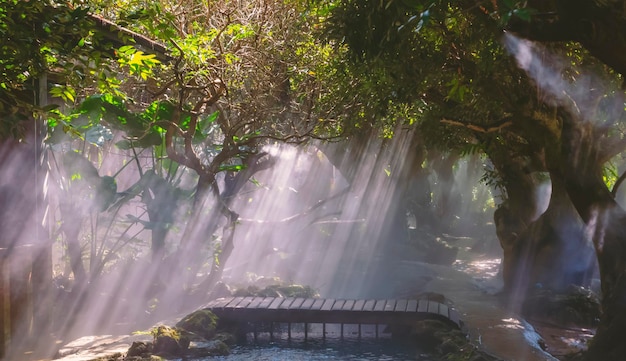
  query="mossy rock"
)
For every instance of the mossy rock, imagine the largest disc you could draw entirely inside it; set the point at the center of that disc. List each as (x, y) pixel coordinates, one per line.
(297, 291)
(140, 349)
(202, 323)
(277, 290)
(226, 337)
(169, 341)
(115, 357)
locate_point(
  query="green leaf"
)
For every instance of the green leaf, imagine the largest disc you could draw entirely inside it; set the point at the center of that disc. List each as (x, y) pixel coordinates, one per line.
(127, 50)
(159, 111)
(152, 138)
(98, 135)
(81, 168)
(124, 144)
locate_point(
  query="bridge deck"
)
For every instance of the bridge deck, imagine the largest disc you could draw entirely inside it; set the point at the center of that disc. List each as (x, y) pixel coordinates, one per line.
(320, 310)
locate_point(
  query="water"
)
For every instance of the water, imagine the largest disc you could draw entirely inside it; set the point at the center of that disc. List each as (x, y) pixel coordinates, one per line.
(313, 350)
(372, 345)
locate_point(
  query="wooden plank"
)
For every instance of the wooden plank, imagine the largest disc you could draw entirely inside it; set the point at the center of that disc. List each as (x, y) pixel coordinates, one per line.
(369, 305)
(422, 306)
(219, 303)
(297, 303)
(358, 305)
(256, 302)
(306, 305)
(234, 302)
(286, 302)
(433, 307)
(348, 305)
(275, 303)
(401, 305)
(267, 301)
(411, 306)
(309, 310)
(443, 310)
(380, 305)
(390, 305)
(328, 304)
(245, 302)
(317, 304)
(338, 305)
(226, 301)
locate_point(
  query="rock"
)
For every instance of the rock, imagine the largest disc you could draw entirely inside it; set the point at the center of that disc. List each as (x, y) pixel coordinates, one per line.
(139, 348)
(227, 338)
(220, 290)
(277, 290)
(430, 334)
(208, 349)
(449, 346)
(449, 343)
(577, 306)
(432, 296)
(202, 323)
(169, 341)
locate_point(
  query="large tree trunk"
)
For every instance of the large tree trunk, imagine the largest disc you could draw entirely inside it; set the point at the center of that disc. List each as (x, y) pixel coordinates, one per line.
(553, 252)
(604, 220)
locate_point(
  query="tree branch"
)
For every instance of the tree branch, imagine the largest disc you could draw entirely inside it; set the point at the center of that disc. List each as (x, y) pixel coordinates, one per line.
(498, 126)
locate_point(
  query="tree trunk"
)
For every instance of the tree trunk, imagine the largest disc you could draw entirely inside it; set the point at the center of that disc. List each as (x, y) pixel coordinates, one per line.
(448, 200)
(23, 206)
(553, 252)
(71, 228)
(604, 220)
(516, 213)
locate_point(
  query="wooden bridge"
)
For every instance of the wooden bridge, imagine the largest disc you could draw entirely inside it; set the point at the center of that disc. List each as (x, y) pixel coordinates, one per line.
(391, 312)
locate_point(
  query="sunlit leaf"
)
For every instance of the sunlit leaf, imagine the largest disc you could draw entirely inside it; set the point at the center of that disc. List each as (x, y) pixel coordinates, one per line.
(98, 135)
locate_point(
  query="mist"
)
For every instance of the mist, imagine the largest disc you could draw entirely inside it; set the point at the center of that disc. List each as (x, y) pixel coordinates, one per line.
(582, 92)
(343, 232)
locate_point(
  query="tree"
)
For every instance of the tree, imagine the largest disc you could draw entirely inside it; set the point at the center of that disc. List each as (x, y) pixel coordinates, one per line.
(523, 129)
(236, 79)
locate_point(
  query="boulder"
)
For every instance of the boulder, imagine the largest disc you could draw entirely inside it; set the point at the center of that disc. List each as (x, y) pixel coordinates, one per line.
(169, 341)
(202, 323)
(140, 349)
(577, 306)
(208, 349)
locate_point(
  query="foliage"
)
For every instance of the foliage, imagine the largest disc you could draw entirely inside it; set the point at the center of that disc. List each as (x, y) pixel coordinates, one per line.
(50, 41)
(35, 36)
(458, 84)
(236, 78)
